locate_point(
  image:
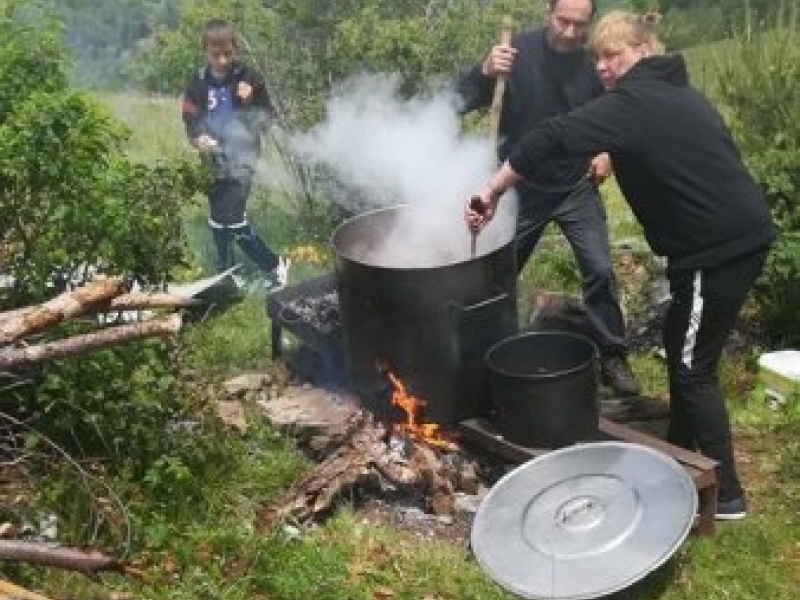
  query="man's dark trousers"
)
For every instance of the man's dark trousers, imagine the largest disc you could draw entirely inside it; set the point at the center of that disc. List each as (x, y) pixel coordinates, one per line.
(581, 215)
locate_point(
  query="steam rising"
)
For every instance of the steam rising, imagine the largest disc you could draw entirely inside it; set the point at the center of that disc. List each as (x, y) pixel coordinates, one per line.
(393, 151)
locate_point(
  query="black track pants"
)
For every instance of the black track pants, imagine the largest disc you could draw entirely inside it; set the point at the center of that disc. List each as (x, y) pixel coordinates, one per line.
(701, 316)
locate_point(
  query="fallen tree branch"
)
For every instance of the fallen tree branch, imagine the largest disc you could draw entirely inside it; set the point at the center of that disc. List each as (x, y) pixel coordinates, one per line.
(88, 563)
(63, 306)
(9, 591)
(129, 301)
(87, 342)
(144, 300)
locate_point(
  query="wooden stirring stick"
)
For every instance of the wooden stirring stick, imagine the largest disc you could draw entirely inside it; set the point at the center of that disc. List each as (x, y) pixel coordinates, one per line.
(496, 110)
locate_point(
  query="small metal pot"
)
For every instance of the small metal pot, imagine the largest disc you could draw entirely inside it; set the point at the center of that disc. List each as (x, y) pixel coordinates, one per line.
(543, 386)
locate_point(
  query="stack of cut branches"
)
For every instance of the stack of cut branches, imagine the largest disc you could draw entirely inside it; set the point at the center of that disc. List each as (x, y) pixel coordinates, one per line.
(102, 297)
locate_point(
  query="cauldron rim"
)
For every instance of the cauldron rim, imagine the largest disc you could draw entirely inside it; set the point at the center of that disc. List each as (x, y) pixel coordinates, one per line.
(340, 253)
(493, 366)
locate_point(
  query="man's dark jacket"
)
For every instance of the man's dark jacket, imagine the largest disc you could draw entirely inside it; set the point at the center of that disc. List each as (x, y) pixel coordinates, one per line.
(675, 162)
(542, 84)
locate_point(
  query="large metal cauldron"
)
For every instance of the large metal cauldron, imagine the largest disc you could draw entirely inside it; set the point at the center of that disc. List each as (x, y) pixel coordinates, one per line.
(428, 314)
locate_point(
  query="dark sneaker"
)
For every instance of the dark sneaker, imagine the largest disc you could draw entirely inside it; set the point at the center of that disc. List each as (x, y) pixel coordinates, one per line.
(616, 373)
(731, 510)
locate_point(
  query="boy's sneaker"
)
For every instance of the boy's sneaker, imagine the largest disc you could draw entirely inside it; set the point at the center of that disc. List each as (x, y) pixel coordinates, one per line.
(282, 270)
(272, 282)
(731, 510)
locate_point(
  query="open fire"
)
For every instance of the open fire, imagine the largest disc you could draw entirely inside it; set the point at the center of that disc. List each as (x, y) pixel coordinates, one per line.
(430, 433)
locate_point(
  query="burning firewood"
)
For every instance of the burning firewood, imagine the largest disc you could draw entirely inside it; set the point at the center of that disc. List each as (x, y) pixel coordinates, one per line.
(368, 452)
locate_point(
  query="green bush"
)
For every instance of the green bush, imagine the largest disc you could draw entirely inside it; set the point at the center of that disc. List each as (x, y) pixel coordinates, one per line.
(69, 197)
(756, 83)
(70, 202)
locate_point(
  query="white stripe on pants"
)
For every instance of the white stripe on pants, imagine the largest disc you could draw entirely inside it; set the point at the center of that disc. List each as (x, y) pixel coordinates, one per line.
(695, 317)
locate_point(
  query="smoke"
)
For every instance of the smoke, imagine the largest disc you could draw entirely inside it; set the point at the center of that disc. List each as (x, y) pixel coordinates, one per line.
(392, 151)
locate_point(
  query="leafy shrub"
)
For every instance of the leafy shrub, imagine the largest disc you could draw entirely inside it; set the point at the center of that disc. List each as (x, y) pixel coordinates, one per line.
(756, 83)
(70, 201)
(68, 196)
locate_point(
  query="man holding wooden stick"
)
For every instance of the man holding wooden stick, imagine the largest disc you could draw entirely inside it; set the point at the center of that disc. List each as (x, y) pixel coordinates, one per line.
(543, 73)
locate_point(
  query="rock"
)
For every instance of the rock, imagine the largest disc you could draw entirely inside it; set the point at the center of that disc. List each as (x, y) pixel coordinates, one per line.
(231, 412)
(316, 417)
(291, 532)
(7, 530)
(469, 503)
(248, 382)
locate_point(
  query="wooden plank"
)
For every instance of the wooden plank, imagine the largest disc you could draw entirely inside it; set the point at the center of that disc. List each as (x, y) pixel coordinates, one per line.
(483, 433)
(627, 434)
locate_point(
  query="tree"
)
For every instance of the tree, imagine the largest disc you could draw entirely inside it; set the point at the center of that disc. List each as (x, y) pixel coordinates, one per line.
(756, 83)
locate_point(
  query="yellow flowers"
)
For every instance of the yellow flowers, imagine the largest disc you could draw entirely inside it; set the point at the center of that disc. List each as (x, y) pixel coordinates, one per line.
(307, 254)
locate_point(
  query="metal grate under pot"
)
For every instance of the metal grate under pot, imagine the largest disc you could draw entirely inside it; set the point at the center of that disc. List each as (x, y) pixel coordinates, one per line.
(309, 311)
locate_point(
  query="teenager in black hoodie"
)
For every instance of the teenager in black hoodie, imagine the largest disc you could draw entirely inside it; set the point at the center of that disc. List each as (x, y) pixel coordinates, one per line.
(682, 175)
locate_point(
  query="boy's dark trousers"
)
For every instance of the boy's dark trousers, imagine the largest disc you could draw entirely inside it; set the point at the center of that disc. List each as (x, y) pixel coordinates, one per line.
(702, 314)
(227, 201)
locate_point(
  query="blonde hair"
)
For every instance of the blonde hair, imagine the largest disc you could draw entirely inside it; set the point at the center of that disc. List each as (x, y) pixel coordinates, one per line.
(620, 28)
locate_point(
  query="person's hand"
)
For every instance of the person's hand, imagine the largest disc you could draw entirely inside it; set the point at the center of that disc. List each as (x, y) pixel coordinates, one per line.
(205, 143)
(480, 209)
(600, 168)
(244, 91)
(499, 61)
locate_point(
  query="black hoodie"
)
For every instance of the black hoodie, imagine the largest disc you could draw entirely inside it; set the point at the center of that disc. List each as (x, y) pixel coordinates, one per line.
(675, 162)
(543, 83)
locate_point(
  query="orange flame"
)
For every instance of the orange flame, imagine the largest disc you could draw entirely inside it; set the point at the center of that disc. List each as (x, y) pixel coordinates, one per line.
(411, 405)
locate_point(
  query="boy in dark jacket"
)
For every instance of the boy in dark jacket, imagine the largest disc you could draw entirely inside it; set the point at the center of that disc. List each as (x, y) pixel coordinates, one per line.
(225, 109)
(682, 175)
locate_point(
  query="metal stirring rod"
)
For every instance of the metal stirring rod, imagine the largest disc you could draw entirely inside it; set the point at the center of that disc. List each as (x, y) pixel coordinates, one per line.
(476, 205)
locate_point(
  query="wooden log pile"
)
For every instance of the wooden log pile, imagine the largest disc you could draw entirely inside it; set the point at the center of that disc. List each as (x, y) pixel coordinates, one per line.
(18, 327)
(98, 297)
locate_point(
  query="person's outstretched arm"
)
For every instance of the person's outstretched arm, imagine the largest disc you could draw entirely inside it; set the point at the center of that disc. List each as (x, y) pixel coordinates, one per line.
(606, 124)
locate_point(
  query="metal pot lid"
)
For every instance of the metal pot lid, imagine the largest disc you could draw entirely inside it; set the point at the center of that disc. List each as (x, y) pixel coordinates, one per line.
(584, 521)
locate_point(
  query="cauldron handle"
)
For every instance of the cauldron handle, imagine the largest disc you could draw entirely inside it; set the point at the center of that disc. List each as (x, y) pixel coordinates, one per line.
(456, 309)
(474, 329)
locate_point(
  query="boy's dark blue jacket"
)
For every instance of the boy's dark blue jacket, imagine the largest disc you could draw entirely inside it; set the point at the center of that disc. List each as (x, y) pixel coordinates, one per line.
(249, 119)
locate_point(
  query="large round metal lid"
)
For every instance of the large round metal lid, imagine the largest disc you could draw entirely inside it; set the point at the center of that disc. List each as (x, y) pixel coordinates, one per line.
(584, 521)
